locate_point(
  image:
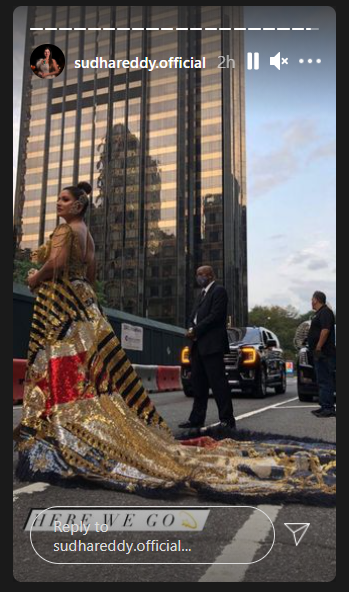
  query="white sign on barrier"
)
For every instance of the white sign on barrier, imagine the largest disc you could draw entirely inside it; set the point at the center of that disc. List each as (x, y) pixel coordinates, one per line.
(131, 337)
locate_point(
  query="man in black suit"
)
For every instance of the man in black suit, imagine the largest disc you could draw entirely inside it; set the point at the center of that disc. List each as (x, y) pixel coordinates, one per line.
(208, 332)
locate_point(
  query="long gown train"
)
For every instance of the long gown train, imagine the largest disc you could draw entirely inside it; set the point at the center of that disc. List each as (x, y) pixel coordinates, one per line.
(86, 416)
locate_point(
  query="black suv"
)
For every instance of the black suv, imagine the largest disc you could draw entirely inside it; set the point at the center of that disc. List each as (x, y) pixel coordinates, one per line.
(307, 386)
(254, 363)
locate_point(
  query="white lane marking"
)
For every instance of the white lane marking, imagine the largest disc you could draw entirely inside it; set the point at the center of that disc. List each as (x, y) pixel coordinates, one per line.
(264, 409)
(242, 548)
(299, 407)
(33, 488)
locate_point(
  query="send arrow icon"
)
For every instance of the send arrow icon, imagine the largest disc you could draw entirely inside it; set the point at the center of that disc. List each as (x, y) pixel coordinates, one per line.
(298, 530)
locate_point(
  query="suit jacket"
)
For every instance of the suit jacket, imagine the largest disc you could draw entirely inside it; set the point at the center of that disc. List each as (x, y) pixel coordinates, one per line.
(211, 323)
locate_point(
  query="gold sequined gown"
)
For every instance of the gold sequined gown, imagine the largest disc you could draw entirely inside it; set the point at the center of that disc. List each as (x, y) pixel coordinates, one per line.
(86, 415)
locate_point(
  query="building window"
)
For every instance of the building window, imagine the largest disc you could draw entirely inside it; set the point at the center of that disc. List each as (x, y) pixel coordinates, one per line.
(167, 290)
(154, 291)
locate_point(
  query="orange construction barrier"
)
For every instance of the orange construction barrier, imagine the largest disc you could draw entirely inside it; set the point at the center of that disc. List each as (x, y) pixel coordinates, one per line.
(169, 378)
(19, 369)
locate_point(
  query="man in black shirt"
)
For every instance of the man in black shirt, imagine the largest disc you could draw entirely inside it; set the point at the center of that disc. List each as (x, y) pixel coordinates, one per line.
(322, 343)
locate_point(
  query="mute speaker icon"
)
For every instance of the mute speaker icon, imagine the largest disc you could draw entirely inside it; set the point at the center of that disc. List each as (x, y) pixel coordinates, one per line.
(275, 61)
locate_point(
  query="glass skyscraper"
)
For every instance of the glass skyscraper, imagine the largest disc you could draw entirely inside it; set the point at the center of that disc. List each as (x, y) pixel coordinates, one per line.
(163, 150)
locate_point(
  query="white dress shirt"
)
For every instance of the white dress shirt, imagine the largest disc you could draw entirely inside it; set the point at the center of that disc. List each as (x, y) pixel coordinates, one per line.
(203, 296)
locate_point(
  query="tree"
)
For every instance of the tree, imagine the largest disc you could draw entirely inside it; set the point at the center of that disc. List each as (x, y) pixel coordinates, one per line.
(282, 321)
(99, 287)
(306, 316)
(21, 265)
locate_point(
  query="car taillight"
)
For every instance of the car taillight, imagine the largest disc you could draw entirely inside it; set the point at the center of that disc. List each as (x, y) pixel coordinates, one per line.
(249, 355)
(185, 355)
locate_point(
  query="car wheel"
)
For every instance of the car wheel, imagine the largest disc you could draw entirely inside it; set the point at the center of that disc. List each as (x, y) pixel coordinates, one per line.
(302, 396)
(305, 397)
(281, 388)
(260, 389)
(188, 391)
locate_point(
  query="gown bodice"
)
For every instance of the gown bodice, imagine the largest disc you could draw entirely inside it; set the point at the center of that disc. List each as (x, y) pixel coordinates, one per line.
(64, 237)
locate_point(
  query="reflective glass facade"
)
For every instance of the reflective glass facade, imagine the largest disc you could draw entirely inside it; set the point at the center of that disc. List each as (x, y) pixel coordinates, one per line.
(163, 150)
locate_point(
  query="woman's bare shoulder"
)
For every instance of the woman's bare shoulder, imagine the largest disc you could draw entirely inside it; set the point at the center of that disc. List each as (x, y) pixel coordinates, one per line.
(78, 226)
(91, 238)
(79, 229)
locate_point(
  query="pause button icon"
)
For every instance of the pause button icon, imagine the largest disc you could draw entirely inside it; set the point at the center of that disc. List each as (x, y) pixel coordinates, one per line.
(255, 61)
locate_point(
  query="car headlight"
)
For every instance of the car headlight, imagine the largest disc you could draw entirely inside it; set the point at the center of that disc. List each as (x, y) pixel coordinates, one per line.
(303, 357)
(249, 355)
(185, 355)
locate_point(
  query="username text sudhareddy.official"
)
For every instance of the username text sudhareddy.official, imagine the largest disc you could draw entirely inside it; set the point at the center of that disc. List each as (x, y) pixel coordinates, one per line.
(145, 63)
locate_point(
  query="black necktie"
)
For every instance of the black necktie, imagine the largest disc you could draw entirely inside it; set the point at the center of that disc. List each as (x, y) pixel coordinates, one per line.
(203, 294)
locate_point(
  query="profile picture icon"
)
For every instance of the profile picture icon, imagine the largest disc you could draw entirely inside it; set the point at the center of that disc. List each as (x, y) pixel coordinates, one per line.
(47, 61)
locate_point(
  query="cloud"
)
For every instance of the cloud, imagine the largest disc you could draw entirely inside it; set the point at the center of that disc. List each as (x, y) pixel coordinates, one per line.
(313, 262)
(278, 299)
(277, 236)
(293, 279)
(297, 293)
(304, 289)
(301, 133)
(272, 126)
(317, 256)
(327, 150)
(317, 264)
(295, 145)
(271, 170)
(279, 258)
(297, 258)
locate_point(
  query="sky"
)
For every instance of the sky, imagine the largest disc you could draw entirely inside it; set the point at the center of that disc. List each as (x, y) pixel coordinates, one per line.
(290, 138)
(290, 144)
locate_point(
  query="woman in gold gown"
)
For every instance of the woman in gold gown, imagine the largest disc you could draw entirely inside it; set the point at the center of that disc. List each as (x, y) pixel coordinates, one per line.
(86, 415)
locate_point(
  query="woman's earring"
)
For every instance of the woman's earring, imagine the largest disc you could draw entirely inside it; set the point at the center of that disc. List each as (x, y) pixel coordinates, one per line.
(75, 208)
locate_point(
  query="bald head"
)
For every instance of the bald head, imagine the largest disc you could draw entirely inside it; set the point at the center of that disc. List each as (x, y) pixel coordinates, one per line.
(204, 275)
(205, 270)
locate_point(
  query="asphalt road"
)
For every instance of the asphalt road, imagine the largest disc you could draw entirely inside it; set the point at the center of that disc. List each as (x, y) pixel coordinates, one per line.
(239, 535)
